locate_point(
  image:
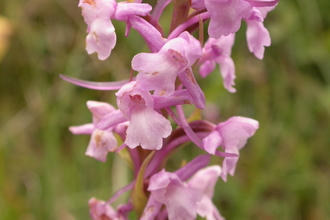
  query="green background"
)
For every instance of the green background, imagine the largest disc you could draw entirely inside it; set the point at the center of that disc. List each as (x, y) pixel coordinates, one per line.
(283, 172)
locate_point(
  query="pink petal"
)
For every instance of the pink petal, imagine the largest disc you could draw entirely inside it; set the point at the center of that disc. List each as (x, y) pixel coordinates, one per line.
(219, 50)
(197, 4)
(99, 109)
(131, 95)
(229, 164)
(212, 142)
(206, 68)
(147, 129)
(161, 180)
(257, 38)
(101, 210)
(208, 210)
(226, 16)
(205, 180)
(101, 38)
(180, 201)
(100, 144)
(111, 119)
(225, 43)
(94, 9)
(236, 130)
(156, 72)
(187, 46)
(227, 69)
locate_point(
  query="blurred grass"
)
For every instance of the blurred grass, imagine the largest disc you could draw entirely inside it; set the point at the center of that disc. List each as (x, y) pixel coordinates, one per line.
(283, 172)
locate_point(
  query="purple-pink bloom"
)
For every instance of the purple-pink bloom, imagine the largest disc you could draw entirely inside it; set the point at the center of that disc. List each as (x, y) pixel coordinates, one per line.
(226, 16)
(232, 135)
(219, 51)
(100, 210)
(256, 34)
(95, 9)
(101, 36)
(97, 14)
(257, 37)
(158, 71)
(179, 199)
(147, 127)
(101, 142)
(184, 200)
(204, 180)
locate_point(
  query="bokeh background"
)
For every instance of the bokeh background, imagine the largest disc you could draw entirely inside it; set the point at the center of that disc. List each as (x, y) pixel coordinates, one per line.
(283, 172)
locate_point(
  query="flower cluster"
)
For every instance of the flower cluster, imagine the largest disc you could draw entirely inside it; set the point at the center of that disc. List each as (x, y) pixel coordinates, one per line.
(164, 83)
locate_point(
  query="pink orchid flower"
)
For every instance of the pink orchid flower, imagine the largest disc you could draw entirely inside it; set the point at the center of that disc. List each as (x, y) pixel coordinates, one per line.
(232, 135)
(101, 142)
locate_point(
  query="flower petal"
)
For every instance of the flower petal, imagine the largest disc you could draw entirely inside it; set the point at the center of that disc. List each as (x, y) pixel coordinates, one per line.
(111, 119)
(212, 142)
(180, 200)
(156, 72)
(100, 144)
(257, 38)
(147, 128)
(94, 9)
(99, 109)
(227, 69)
(205, 180)
(206, 68)
(101, 38)
(101, 210)
(236, 130)
(226, 16)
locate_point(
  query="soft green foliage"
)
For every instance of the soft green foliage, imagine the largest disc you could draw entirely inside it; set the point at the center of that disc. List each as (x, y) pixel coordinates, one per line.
(283, 172)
